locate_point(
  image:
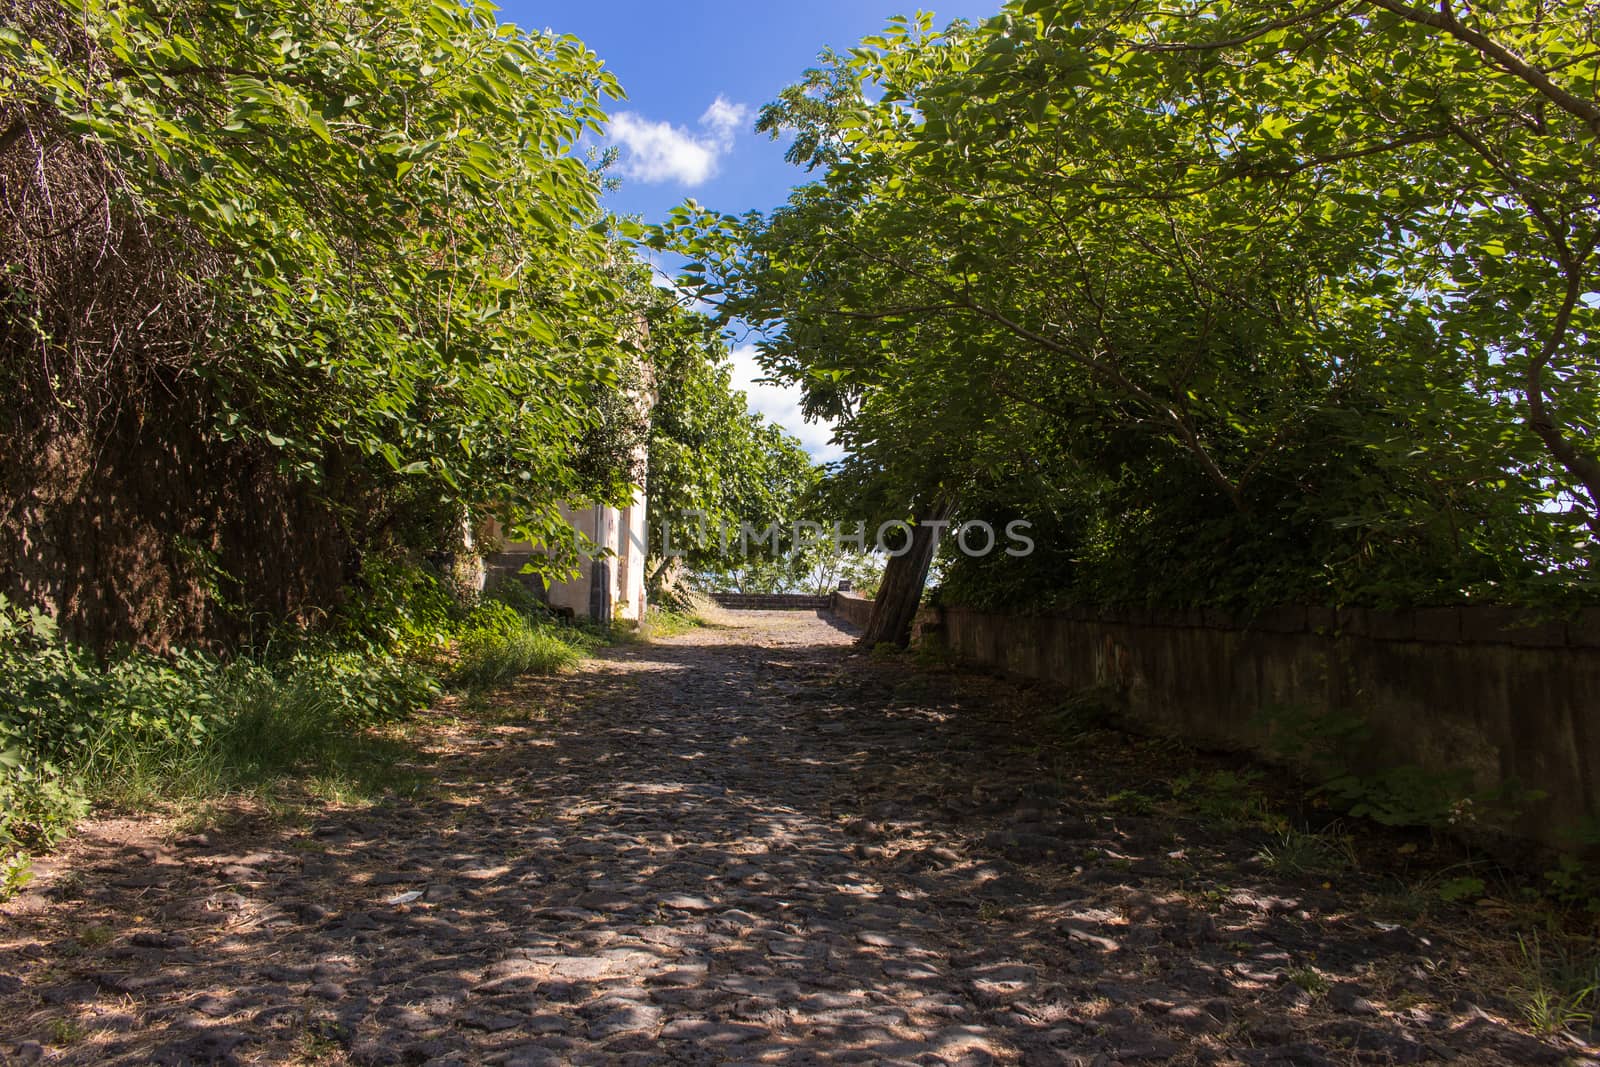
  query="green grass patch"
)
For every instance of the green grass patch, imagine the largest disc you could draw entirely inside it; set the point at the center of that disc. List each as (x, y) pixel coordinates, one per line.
(489, 658)
(666, 622)
(322, 723)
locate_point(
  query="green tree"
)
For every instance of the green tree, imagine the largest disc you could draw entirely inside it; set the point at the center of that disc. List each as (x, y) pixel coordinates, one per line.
(1299, 287)
(355, 233)
(713, 465)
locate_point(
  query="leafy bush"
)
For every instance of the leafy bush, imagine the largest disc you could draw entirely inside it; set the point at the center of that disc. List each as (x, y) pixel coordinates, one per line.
(38, 804)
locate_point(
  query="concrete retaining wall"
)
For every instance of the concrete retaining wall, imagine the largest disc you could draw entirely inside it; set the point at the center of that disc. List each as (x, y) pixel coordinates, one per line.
(1505, 696)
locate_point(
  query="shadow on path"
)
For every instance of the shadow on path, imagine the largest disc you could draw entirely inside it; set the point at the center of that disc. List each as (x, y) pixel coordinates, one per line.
(741, 845)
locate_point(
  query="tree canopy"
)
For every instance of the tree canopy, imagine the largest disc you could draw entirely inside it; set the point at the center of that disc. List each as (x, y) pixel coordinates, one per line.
(714, 465)
(1238, 302)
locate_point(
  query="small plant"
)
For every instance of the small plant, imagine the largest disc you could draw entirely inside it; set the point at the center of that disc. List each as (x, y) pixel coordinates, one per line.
(931, 652)
(65, 1031)
(989, 911)
(1456, 890)
(16, 871)
(320, 1042)
(1131, 801)
(1231, 798)
(95, 936)
(1087, 711)
(1557, 993)
(1575, 883)
(1310, 980)
(1334, 751)
(1297, 853)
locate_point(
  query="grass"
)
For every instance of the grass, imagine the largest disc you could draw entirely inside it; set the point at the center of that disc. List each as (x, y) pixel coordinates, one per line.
(1557, 989)
(193, 735)
(694, 610)
(65, 1032)
(1299, 853)
(489, 658)
(660, 623)
(300, 733)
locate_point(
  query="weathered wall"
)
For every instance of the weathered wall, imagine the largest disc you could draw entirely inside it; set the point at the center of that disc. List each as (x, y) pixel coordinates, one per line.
(853, 608)
(1504, 695)
(771, 601)
(621, 590)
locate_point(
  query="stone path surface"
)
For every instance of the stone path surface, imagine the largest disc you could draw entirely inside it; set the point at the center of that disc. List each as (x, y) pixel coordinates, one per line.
(740, 845)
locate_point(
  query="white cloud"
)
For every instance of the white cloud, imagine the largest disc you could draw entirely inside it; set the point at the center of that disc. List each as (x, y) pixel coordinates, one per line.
(781, 405)
(723, 118)
(661, 152)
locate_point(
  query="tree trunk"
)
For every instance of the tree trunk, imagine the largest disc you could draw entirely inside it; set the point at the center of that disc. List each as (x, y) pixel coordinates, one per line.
(894, 609)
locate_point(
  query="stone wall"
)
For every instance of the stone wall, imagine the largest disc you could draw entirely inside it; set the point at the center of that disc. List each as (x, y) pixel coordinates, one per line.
(1509, 697)
(853, 608)
(771, 601)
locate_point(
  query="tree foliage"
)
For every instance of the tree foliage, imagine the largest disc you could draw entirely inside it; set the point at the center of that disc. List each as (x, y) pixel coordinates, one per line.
(1238, 302)
(354, 237)
(714, 465)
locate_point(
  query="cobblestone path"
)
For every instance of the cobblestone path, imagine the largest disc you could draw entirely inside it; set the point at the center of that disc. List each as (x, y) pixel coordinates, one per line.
(740, 845)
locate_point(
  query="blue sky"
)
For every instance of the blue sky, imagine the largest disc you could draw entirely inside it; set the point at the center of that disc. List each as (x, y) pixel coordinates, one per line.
(696, 73)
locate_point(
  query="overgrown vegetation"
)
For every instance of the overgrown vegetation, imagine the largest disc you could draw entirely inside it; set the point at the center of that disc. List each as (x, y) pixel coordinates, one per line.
(293, 295)
(288, 286)
(141, 731)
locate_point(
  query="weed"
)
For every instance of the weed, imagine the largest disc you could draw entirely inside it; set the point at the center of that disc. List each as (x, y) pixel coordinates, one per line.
(65, 1031)
(1334, 750)
(1455, 890)
(1131, 801)
(1227, 797)
(1297, 853)
(1310, 980)
(989, 911)
(1575, 883)
(1087, 711)
(1558, 991)
(95, 936)
(319, 1043)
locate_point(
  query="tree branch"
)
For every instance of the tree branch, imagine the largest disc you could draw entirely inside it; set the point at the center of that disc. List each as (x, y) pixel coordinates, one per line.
(1444, 19)
(1167, 413)
(1585, 468)
(1243, 38)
